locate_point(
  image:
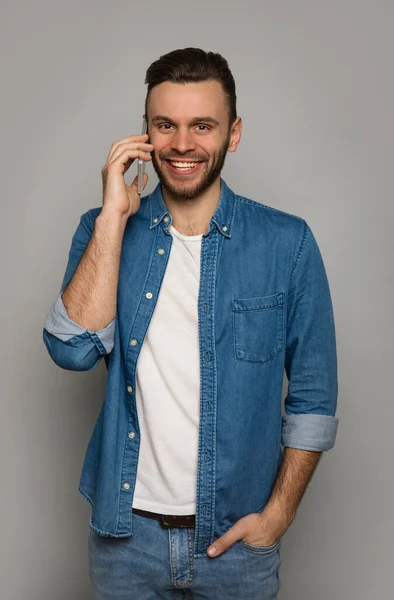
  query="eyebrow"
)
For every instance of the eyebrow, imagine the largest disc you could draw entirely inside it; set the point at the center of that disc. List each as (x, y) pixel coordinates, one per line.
(206, 119)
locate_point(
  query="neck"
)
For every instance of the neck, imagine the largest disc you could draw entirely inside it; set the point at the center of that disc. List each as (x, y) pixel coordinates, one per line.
(192, 216)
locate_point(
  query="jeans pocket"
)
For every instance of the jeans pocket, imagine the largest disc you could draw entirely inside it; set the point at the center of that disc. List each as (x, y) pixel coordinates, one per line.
(260, 549)
(258, 327)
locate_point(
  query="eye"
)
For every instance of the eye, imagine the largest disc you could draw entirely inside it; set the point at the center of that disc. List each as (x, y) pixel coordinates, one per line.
(204, 127)
(165, 126)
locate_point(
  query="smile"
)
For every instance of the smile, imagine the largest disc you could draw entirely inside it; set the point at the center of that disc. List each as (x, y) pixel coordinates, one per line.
(184, 167)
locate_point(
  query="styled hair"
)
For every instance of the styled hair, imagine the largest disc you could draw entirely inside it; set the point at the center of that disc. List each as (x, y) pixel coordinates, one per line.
(189, 65)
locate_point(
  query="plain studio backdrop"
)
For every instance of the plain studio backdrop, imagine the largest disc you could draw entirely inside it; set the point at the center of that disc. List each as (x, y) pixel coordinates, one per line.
(315, 90)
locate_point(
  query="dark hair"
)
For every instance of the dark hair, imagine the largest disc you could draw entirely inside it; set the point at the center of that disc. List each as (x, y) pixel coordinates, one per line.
(193, 65)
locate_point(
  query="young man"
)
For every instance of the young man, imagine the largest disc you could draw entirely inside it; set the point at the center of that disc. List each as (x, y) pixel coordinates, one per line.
(199, 300)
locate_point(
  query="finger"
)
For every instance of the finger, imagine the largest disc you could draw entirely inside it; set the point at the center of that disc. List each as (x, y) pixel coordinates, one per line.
(127, 140)
(135, 146)
(127, 157)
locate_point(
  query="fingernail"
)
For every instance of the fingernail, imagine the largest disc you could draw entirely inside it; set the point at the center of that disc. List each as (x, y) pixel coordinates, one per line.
(212, 550)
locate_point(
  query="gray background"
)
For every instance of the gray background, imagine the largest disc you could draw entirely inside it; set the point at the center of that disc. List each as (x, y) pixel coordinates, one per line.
(315, 89)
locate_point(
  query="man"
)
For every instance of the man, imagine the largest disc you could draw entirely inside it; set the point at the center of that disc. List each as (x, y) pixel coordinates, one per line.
(199, 300)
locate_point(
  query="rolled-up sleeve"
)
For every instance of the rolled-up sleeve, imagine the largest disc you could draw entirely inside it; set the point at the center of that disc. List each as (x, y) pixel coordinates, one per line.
(70, 345)
(311, 357)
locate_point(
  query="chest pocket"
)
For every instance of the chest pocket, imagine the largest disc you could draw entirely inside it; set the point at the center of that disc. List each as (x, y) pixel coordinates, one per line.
(258, 327)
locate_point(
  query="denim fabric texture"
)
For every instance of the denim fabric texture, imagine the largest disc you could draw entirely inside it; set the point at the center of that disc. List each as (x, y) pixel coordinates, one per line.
(159, 563)
(264, 308)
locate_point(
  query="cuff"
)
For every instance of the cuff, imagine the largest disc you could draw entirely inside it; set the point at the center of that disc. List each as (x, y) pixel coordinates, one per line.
(309, 431)
(58, 323)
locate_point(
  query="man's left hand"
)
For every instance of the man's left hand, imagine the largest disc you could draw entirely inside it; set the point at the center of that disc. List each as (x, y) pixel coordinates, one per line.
(255, 529)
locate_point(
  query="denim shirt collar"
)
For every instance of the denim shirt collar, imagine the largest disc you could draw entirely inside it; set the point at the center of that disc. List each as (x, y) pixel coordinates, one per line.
(223, 217)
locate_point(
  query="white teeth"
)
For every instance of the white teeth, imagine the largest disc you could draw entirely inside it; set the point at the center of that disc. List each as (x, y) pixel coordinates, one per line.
(183, 165)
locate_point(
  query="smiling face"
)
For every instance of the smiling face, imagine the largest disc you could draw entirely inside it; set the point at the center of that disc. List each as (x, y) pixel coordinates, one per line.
(188, 125)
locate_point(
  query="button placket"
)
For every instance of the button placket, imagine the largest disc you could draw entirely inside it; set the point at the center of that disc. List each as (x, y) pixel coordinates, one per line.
(162, 245)
(207, 425)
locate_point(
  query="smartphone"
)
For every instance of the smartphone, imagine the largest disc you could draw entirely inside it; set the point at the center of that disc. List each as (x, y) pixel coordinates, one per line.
(141, 163)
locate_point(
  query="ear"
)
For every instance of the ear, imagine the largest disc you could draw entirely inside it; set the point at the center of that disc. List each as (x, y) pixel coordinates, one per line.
(235, 134)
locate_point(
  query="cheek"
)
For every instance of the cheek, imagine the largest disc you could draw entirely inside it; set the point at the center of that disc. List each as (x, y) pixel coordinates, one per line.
(161, 146)
(210, 147)
(157, 142)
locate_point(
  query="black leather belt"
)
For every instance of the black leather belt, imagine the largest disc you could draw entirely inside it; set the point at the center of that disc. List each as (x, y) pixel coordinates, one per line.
(167, 521)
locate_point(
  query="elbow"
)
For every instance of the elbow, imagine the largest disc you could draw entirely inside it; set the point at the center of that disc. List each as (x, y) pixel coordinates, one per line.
(77, 354)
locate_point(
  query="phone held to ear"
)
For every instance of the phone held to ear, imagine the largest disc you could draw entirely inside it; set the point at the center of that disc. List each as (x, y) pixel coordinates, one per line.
(141, 163)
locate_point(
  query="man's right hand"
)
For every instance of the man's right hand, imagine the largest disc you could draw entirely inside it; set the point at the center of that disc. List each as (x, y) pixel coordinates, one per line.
(118, 197)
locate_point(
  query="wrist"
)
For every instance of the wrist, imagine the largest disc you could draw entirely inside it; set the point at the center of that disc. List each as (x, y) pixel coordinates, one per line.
(273, 527)
(110, 220)
(277, 513)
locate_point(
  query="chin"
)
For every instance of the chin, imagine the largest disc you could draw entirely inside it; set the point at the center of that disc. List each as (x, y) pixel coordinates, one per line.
(187, 191)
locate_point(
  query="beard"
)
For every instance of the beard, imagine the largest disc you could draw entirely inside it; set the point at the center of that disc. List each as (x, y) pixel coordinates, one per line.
(208, 176)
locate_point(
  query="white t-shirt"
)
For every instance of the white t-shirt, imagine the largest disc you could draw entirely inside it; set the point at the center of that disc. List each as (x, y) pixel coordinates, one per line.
(168, 388)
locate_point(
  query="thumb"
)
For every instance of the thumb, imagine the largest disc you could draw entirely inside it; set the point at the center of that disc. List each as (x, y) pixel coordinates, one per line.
(134, 184)
(237, 532)
(225, 541)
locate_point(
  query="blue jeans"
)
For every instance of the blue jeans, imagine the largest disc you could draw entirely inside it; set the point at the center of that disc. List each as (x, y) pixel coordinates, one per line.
(158, 563)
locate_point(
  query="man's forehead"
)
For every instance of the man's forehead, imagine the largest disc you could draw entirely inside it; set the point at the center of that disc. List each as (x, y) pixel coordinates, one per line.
(188, 100)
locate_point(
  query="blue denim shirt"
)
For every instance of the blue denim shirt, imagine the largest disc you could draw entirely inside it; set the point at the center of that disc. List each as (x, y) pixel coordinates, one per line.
(264, 309)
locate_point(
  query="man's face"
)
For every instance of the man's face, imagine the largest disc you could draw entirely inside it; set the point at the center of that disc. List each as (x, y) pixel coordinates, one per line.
(189, 129)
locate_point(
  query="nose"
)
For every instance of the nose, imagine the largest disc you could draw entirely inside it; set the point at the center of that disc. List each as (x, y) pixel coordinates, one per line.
(182, 141)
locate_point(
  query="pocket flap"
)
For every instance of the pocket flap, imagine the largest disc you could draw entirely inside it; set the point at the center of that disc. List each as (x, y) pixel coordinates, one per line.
(258, 303)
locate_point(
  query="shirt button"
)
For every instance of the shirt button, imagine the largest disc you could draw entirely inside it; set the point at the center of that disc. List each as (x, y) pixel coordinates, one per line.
(224, 228)
(129, 388)
(160, 251)
(133, 342)
(149, 295)
(155, 220)
(126, 486)
(166, 219)
(131, 434)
